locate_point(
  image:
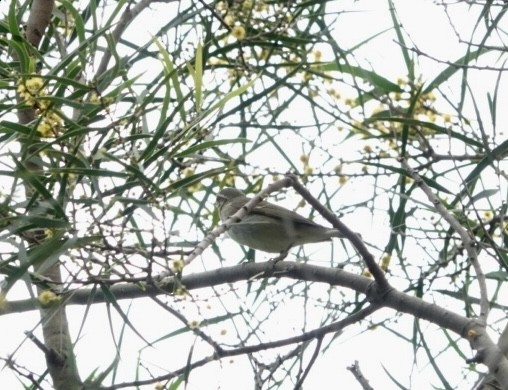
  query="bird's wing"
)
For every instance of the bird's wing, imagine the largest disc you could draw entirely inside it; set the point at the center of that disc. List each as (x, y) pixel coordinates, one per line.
(273, 211)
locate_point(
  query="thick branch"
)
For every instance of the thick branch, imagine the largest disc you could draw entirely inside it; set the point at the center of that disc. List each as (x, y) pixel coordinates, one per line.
(488, 352)
(58, 346)
(284, 269)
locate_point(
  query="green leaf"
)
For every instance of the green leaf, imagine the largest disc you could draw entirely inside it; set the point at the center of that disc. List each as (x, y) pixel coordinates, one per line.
(501, 276)
(367, 75)
(456, 66)
(197, 75)
(110, 298)
(25, 174)
(22, 55)
(430, 182)
(401, 41)
(43, 222)
(43, 256)
(7, 126)
(208, 145)
(188, 181)
(170, 70)
(222, 102)
(496, 154)
(90, 172)
(431, 126)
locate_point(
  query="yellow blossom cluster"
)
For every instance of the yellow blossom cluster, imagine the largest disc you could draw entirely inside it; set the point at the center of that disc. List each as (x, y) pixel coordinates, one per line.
(197, 186)
(177, 265)
(238, 32)
(50, 124)
(395, 105)
(32, 91)
(48, 297)
(237, 15)
(385, 262)
(48, 233)
(307, 169)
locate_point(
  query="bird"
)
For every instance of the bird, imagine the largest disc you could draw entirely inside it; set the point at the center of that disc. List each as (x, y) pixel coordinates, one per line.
(268, 227)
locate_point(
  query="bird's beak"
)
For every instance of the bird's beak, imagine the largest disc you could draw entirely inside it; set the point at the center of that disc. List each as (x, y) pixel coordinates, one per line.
(219, 202)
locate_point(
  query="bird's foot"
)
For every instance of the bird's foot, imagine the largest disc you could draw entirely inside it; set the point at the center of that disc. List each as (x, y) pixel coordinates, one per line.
(281, 256)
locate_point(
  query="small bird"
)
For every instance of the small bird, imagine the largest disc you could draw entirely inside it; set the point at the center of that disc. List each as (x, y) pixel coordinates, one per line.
(268, 227)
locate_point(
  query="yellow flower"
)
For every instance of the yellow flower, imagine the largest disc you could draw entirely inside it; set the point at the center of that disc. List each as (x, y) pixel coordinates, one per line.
(177, 265)
(107, 100)
(350, 102)
(333, 92)
(385, 262)
(3, 301)
(229, 181)
(238, 32)
(367, 149)
(181, 292)
(195, 187)
(194, 324)
(229, 20)
(44, 128)
(94, 98)
(48, 297)
(34, 85)
(260, 6)
(221, 5)
(21, 89)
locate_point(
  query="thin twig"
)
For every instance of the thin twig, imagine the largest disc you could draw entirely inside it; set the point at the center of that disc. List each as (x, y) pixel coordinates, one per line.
(127, 18)
(357, 373)
(316, 333)
(467, 239)
(298, 385)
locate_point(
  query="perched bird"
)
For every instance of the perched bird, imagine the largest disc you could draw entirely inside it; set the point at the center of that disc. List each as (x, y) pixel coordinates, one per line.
(268, 227)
